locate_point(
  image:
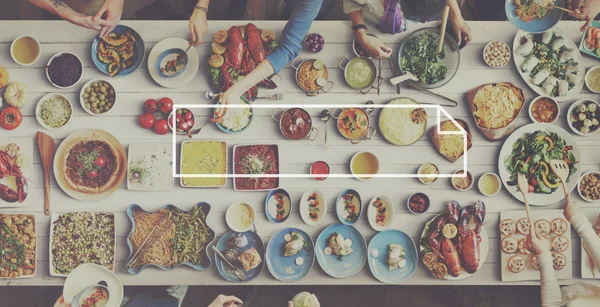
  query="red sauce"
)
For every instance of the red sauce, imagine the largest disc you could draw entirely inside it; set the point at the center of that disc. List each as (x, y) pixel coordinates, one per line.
(256, 160)
(320, 168)
(296, 123)
(418, 203)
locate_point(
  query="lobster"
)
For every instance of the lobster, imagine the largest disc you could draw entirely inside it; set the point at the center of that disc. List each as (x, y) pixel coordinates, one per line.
(255, 43)
(8, 169)
(469, 240)
(435, 230)
(451, 257)
(235, 49)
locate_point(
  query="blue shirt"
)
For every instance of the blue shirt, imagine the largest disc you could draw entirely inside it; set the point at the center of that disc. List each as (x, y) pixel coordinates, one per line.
(293, 33)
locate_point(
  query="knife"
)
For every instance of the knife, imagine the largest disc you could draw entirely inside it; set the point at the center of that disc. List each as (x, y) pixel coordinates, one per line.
(393, 67)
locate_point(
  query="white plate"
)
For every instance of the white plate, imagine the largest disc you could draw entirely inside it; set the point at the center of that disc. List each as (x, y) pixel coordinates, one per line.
(26, 149)
(389, 213)
(303, 207)
(39, 106)
(89, 274)
(538, 199)
(586, 268)
(160, 177)
(573, 92)
(192, 66)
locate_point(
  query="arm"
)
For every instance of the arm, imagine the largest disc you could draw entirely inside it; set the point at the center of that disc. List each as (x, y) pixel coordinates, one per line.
(374, 47)
(540, 247)
(591, 241)
(58, 8)
(458, 23)
(198, 24)
(113, 9)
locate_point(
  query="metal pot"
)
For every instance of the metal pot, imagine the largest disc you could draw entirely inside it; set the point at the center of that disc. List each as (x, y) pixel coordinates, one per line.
(280, 114)
(345, 63)
(367, 134)
(318, 88)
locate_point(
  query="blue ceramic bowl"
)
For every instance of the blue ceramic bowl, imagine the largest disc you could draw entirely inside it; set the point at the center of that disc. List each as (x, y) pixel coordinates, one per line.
(138, 57)
(536, 25)
(161, 57)
(379, 266)
(339, 207)
(271, 204)
(203, 265)
(253, 241)
(285, 268)
(224, 129)
(351, 264)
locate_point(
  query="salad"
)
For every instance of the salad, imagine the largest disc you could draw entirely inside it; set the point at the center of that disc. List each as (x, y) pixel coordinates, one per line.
(421, 59)
(531, 155)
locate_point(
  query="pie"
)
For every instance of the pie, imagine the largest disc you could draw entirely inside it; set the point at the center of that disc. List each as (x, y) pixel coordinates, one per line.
(522, 247)
(560, 244)
(509, 245)
(516, 264)
(559, 261)
(559, 226)
(91, 165)
(534, 263)
(542, 227)
(523, 226)
(508, 227)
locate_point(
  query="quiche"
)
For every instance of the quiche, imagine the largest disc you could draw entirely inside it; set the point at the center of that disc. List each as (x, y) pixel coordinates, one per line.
(250, 259)
(91, 165)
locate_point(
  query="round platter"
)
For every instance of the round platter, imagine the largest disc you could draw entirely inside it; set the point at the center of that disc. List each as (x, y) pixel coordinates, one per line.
(286, 268)
(138, 50)
(253, 241)
(61, 154)
(351, 264)
(536, 25)
(191, 68)
(89, 274)
(394, 116)
(379, 266)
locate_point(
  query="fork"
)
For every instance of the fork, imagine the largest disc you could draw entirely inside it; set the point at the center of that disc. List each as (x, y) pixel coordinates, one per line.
(272, 97)
(237, 272)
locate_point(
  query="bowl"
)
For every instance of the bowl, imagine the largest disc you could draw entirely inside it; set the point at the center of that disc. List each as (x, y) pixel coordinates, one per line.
(137, 57)
(587, 84)
(452, 57)
(532, 103)
(574, 109)
(56, 56)
(389, 213)
(39, 105)
(536, 25)
(364, 157)
(480, 182)
(320, 170)
(488, 49)
(238, 214)
(430, 179)
(193, 119)
(469, 175)
(271, 206)
(227, 130)
(305, 206)
(351, 216)
(424, 197)
(592, 173)
(320, 43)
(89, 85)
(168, 56)
(37, 44)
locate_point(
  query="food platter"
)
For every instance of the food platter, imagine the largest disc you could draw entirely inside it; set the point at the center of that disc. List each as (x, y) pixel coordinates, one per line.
(20, 154)
(278, 206)
(18, 231)
(129, 48)
(535, 25)
(149, 167)
(266, 155)
(75, 185)
(379, 252)
(313, 207)
(381, 213)
(287, 260)
(341, 266)
(194, 159)
(529, 272)
(189, 72)
(568, 48)
(539, 199)
(240, 243)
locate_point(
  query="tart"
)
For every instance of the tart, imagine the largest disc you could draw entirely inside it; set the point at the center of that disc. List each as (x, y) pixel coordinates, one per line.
(508, 227)
(516, 264)
(559, 226)
(91, 165)
(509, 245)
(542, 227)
(560, 244)
(559, 261)
(523, 226)
(522, 249)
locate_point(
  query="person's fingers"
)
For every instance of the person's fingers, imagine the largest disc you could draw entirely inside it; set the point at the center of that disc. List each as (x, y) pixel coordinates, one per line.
(290, 304)
(233, 299)
(587, 23)
(100, 12)
(193, 36)
(458, 37)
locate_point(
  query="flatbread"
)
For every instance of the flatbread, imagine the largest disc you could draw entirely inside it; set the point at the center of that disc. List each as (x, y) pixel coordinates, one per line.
(559, 226)
(78, 182)
(508, 227)
(523, 226)
(542, 227)
(559, 261)
(509, 245)
(516, 264)
(522, 249)
(560, 244)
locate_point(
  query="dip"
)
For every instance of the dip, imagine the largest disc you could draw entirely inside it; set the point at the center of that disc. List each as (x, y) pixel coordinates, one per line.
(240, 217)
(428, 169)
(25, 50)
(489, 184)
(544, 110)
(295, 124)
(319, 170)
(592, 79)
(364, 163)
(353, 123)
(418, 203)
(462, 183)
(359, 73)
(64, 70)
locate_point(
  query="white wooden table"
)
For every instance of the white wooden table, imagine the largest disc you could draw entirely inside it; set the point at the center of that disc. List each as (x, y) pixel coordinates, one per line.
(296, 156)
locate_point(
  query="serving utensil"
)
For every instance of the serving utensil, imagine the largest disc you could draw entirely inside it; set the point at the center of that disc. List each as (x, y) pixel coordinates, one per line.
(560, 168)
(579, 16)
(394, 72)
(399, 79)
(379, 78)
(149, 241)
(46, 146)
(452, 103)
(210, 95)
(236, 271)
(443, 29)
(272, 97)
(325, 116)
(524, 187)
(196, 131)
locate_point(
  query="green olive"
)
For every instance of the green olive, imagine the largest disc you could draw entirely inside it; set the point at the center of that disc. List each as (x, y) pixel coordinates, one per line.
(88, 106)
(106, 108)
(102, 97)
(111, 91)
(93, 94)
(101, 103)
(94, 105)
(94, 84)
(102, 89)
(97, 111)
(87, 90)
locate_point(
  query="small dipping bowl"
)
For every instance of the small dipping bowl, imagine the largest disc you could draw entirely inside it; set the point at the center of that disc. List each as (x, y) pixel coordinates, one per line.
(36, 49)
(90, 292)
(595, 72)
(417, 199)
(429, 178)
(271, 205)
(168, 56)
(454, 180)
(240, 216)
(60, 54)
(193, 119)
(366, 161)
(489, 177)
(319, 170)
(539, 100)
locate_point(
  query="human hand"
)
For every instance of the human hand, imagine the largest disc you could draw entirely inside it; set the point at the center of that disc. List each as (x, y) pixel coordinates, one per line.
(198, 26)
(231, 96)
(372, 45)
(87, 21)
(60, 302)
(225, 301)
(571, 208)
(536, 243)
(586, 10)
(461, 28)
(290, 304)
(113, 10)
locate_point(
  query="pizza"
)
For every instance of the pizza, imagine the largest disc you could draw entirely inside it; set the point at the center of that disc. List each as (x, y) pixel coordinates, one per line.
(534, 263)
(542, 227)
(509, 245)
(560, 244)
(559, 261)
(559, 226)
(91, 165)
(508, 227)
(516, 264)
(523, 226)
(522, 247)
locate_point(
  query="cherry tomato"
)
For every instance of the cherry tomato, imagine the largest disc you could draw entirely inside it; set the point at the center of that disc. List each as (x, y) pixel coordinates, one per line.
(92, 174)
(530, 189)
(100, 161)
(161, 127)
(10, 118)
(165, 105)
(150, 106)
(146, 120)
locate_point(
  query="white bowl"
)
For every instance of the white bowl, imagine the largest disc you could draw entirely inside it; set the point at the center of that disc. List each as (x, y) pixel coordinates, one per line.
(82, 91)
(57, 55)
(352, 162)
(579, 187)
(390, 213)
(531, 106)
(509, 54)
(39, 105)
(303, 207)
(499, 184)
(586, 78)
(171, 127)
(39, 50)
(435, 178)
(469, 175)
(571, 108)
(229, 217)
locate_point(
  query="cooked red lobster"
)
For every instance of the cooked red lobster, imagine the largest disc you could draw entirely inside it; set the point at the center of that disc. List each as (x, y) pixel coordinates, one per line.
(451, 257)
(235, 47)
(469, 240)
(255, 43)
(8, 169)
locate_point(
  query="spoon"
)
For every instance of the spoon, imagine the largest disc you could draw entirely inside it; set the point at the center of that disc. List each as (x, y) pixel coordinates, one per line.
(369, 109)
(325, 115)
(210, 95)
(196, 131)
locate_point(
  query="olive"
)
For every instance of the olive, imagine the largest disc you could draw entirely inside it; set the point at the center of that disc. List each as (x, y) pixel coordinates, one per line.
(94, 84)
(179, 111)
(93, 94)
(111, 91)
(86, 95)
(103, 89)
(95, 104)
(106, 108)
(102, 97)
(93, 99)
(96, 111)
(88, 106)
(101, 103)
(87, 90)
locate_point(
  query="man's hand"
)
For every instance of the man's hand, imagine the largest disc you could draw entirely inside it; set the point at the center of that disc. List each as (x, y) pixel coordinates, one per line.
(113, 10)
(584, 10)
(461, 28)
(373, 46)
(87, 21)
(225, 301)
(198, 26)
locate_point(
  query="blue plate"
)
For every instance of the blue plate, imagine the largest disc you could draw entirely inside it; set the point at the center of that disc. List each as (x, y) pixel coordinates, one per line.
(287, 206)
(351, 264)
(224, 269)
(203, 265)
(536, 25)
(285, 268)
(138, 57)
(161, 57)
(379, 266)
(339, 206)
(249, 122)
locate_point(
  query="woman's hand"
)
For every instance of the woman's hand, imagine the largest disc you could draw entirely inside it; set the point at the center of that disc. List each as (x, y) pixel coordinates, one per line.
(60, 302)
(373, 46)
(588, 11)
(113, 10)
(536, 243)
(461, 28)
(198, 26)
(87, 21)
(225, 301)
(571, 208)
(231, 96)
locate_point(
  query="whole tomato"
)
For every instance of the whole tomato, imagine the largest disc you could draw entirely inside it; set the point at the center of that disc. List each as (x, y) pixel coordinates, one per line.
(165, 105)
(161, 127)
(146, 120)
(10, 118)
(150, 106)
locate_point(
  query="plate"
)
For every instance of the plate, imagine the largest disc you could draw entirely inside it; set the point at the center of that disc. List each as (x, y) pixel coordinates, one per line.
(285, 268)
(61, 153)
(305, 206)
(573, 92)
(340, 207)
(536, 25)
(155, 164)
(25, 149)
(253, 241)
(390, 118)
(389, 213)
(271, 206)
(227, 116)
(139, 50)
(89, 274)
(239, 177)
(379, 266)
(536, 199)
(181, 79)
(582, 47)
(351, 264)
